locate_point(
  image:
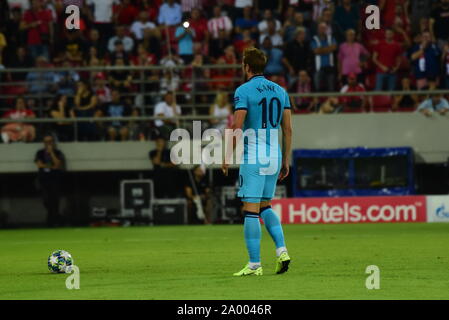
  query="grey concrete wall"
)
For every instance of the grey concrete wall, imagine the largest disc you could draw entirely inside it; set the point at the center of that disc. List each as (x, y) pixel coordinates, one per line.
(81, 156)
(428, 136)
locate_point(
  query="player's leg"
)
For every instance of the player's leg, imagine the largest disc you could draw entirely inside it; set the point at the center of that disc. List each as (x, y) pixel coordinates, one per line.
(251, 184)
(273, 224)
(252, 230)
(253, 235)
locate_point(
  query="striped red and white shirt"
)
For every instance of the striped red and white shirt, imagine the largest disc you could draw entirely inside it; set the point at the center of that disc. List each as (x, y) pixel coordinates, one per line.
(216, 24)
(188, 5)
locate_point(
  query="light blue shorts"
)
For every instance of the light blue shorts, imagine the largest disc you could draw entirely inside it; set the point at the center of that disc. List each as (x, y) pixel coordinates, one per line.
(256, 186)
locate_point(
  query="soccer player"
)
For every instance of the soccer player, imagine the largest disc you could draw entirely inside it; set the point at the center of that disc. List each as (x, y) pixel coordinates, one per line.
(261, 107)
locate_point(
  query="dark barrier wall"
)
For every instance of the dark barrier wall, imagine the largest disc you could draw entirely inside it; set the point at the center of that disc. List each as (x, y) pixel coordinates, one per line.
(21, 204)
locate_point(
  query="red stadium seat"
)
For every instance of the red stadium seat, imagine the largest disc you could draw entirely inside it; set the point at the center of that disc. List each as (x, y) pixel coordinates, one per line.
(382, 103)
(301, 111)
(405, 110)
(351, 110)
(14, 90)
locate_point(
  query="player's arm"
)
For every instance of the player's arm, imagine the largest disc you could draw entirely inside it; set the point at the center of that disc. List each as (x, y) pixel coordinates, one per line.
(286, 143)
(241, 110)
(239, 119)
(234, 137)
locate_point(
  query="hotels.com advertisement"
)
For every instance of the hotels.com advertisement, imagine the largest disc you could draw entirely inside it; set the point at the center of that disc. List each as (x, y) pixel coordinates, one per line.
(352, 210)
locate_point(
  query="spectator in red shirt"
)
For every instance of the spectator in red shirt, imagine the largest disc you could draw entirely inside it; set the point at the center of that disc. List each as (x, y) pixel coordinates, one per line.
(38, 22)
(199, 24)
(229, 58)
(246, 42)
(353, 103)
(152, 7)
(16, 131)
(143, 58)
(400, 34)
(389, 10)
(125, 13)
(220, 80)
(401, 13)
(387, 58)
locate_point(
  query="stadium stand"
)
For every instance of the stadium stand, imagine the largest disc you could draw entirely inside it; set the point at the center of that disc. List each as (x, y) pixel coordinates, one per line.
(325, 39)
(137, 69)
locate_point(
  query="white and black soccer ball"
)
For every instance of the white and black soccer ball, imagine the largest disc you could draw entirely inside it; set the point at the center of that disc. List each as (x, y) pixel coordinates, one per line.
(60, 261)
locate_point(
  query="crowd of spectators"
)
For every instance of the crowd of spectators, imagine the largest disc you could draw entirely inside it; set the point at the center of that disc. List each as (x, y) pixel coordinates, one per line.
(311, 45)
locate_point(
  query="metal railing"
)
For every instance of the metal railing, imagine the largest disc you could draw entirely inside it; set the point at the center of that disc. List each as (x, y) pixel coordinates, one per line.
(192, 80)
(191, 106)
(139, 83)
(139, 125)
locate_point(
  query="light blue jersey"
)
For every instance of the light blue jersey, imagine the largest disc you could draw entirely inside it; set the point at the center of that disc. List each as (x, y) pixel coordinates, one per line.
(265, 102)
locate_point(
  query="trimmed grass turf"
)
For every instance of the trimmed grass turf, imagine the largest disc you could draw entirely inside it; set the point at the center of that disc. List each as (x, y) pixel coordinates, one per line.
(196, 262)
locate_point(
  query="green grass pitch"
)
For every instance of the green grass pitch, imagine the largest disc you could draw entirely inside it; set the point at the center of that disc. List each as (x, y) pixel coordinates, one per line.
(197, 262)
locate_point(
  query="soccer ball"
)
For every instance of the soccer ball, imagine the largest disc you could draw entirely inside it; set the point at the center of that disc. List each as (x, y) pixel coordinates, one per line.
(60, 261)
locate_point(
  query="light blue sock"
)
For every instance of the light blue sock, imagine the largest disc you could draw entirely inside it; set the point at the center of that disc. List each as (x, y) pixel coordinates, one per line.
(273, 225)
(253, 235)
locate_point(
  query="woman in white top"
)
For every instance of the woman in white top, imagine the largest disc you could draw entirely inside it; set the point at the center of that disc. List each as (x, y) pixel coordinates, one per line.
(220, 110)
